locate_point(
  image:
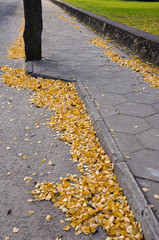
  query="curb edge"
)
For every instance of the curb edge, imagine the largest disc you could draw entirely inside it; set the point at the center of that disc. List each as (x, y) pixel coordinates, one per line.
(29, 69)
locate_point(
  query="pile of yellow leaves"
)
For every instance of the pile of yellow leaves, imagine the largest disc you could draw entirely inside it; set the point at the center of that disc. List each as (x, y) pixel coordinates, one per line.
(95, 197)
(151, 74)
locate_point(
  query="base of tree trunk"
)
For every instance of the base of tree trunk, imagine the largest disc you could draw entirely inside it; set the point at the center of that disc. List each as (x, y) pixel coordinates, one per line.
(33, 29)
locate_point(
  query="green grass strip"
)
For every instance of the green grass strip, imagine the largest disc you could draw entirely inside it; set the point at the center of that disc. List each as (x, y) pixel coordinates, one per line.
(140, 15)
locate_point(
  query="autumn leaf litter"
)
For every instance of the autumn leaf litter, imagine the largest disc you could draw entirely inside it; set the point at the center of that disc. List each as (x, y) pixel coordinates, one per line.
(94, 198)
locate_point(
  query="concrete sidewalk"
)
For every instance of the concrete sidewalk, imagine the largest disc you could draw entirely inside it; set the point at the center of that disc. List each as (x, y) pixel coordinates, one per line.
(124, 109)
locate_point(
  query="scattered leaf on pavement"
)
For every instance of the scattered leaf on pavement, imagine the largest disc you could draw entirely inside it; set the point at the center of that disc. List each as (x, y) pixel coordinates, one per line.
(7, 238)
(48, 217)
(66, 228)
(156, 196)
(31, 212)
(15, 230)
(50, 163)
(145, 189)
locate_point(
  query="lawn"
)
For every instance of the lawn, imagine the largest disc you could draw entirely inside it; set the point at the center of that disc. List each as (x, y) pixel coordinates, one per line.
(140, 15)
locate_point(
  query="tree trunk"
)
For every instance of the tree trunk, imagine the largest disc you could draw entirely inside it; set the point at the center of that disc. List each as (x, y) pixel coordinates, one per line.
(33, 29)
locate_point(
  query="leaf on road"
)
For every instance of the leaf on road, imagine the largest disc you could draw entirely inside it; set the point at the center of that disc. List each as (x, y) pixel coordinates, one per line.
(156, 196)
(7, 238)
(50, 163)
(15, 230)
(66, 228)
(31, 212)
(61, 221)
(145, 189)
(48, 217)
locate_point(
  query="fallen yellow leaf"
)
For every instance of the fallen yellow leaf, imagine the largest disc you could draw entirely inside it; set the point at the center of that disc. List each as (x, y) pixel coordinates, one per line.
(151, 206)
(50, 163)
(66, 228)
(48, 217)
(31, 212)
(15, 230)
(28, 179)
(61, 221)
(145, 189)
(156, 196)
(7, 238)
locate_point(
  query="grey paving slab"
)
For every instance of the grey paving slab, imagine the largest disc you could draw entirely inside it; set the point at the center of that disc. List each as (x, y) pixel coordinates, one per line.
(135, 109)
(94, 90)
(103, 78)
(109, 98)
(145, 164)
(153, 120)
(152, 189)
(127, 143)
(139, 203)
(156, 106)
(117, 88)
(145, 87)
(113, 67)
(106, 110)
(127, 124)
(142, 97)
(150, 138)
(127, 76)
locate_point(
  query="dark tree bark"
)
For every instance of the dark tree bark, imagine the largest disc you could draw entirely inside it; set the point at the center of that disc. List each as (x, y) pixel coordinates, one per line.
(33, 29)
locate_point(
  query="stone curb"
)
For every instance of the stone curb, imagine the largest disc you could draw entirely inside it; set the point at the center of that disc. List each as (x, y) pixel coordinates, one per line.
(144, 44)
(135, 197)
(29, 69)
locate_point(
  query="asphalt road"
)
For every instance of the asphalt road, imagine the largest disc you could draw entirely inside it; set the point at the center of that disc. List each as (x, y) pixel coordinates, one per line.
(8, 8)
(11, 12)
